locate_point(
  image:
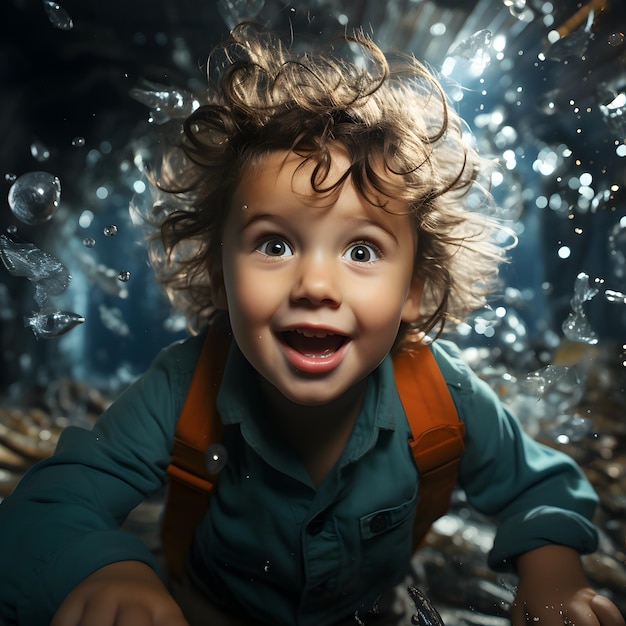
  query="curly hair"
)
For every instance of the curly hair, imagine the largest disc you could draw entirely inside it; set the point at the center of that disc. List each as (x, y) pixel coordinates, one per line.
(389, 115)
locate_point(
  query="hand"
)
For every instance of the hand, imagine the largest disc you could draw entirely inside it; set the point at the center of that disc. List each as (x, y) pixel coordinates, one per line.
(128, 593)
(553, 591)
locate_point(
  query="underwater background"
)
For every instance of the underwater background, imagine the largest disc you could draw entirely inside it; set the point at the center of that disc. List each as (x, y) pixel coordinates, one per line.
(542, 87)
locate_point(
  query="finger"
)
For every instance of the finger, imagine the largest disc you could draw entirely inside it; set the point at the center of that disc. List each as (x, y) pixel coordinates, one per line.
(173, 617)
(606, 612)
(69, 614)
(134, 616)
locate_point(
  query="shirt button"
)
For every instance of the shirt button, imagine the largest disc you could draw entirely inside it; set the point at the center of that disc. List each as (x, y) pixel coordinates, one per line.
(378, 523)
(315, 526)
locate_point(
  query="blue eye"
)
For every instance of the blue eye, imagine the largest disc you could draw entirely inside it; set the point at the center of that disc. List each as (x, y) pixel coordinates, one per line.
(275, 247)
(362, 252)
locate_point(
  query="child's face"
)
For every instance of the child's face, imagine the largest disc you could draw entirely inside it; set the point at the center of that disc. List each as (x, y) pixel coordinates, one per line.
(315, 286)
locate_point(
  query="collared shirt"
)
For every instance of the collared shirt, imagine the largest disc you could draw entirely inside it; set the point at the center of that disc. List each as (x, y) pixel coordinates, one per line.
(272, 545)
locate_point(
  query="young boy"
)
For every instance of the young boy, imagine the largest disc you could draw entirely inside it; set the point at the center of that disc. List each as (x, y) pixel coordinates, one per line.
(319, 216)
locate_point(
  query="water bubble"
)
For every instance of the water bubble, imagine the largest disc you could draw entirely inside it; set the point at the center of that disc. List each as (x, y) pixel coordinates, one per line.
(89, 242)
(10, 177)
(78, 142)
(216, 457)
(34, 197)
(12, 229)
(110, 230)
(123, 276)
(53, 324)
(57, 15)
(40, 152)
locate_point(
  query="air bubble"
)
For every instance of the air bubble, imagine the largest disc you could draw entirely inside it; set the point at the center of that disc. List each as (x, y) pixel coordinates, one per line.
(89, 242)
(34, 197)
(124, 276)
(58, 16)
(110, 230)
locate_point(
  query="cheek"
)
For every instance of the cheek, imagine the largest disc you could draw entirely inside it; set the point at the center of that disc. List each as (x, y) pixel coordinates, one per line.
(381, 308)
(250, 296)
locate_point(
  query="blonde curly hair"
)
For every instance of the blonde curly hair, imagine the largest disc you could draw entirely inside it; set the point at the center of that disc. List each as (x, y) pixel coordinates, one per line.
(389, 115)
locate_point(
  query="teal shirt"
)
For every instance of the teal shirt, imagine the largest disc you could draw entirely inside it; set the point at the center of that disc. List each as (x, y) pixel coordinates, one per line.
(272, 545)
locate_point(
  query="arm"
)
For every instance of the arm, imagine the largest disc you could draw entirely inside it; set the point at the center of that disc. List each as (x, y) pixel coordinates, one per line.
(554, 591)
(127, 592)
(62, 522)
(541, 501)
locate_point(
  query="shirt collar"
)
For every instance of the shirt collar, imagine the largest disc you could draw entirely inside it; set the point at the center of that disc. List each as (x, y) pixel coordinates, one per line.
(238, 402)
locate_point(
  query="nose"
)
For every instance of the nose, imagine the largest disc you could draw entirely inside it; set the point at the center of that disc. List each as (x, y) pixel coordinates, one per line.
(316, 282)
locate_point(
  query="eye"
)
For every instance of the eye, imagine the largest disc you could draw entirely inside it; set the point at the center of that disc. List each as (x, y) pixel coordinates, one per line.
(362, 252)
(275, 247)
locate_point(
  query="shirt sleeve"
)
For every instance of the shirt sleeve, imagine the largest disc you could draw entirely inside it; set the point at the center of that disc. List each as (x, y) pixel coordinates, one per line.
(537, 495)
(62, 521)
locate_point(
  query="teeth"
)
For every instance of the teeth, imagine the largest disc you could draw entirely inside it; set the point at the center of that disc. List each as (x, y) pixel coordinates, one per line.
(308, 332)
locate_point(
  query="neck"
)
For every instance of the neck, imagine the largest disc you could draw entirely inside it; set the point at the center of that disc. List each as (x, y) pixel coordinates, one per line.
(316, 434)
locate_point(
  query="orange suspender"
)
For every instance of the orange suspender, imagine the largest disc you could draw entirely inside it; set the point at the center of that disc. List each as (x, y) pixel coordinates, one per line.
(197, 428)
(437, 433)
(436, 444)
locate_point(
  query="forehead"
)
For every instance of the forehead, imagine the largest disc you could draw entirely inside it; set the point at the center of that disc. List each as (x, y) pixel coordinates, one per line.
(313, 181)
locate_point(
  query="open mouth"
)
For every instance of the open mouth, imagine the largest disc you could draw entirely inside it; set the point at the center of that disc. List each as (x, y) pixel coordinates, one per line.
(316, 344)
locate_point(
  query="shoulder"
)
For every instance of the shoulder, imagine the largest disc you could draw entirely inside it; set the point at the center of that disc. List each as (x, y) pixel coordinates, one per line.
(454, 369)
(181, 356)
(470, 393)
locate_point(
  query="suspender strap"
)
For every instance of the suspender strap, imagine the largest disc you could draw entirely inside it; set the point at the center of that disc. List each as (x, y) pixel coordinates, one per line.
(437, 443)
(198, 427)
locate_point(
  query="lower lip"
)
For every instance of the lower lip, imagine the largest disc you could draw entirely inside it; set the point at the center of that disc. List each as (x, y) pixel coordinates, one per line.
(314, 365)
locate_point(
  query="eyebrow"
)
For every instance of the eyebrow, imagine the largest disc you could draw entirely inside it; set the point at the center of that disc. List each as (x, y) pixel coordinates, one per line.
(274, 217)
(365, 221)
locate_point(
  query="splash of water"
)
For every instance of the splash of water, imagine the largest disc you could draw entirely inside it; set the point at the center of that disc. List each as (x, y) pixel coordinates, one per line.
(426, 614)
(165, 103)
(48, 325)
(49, 276)
(576, 326)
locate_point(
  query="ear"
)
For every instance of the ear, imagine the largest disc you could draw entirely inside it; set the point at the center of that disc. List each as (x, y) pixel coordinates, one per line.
(412, 304)
(218, 288)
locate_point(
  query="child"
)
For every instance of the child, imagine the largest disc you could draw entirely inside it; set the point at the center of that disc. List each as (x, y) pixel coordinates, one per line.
(318, 211)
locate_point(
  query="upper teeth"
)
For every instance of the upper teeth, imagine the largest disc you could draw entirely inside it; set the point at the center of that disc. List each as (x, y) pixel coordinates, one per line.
(309, 332)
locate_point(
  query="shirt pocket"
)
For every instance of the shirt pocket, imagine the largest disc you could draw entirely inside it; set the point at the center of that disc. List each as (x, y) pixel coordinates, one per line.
(387, 520)
(385, 547)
